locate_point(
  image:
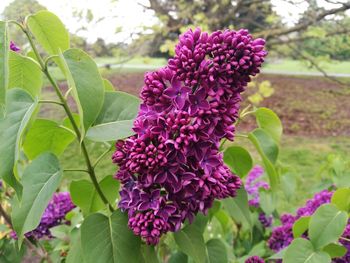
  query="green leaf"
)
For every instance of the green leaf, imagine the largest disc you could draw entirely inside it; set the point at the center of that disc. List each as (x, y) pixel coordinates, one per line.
(19, 110)
(49, 31)
(224, 220)
(85, 196)
(335, 250)
(46, 136)
(109, 240)
(10, 253)
(25, 74)
(149, 254)
(217, 251)
(302, 251)
(279, 255)
(4, 67)
(75, 253)
(288, 185)
(40, 180)
(86, 83)
(108, 85)
(341, 198)
(190, 241)
(269, 122)
(118, 106)
(111, 131)
(326, 225)
(267, 201)
(178, 257)
(60, 231)
(116, 117)
(300, 226)
(268, 151)
(238, 207)
(239, 160)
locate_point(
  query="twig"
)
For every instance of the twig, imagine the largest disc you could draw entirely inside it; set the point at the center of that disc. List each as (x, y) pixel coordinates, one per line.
(101, 156)
(51, 102)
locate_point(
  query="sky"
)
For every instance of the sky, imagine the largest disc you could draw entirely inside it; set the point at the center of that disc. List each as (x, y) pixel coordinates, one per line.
(130, 16)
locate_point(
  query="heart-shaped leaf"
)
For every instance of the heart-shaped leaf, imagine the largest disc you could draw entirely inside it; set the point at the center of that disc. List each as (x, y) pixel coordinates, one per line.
(109, 240)
(19, 110)
(40, 180)
(47, 136)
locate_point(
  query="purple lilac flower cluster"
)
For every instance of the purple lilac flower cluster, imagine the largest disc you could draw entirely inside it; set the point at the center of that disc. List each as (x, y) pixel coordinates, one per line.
(282, 235)
(252, 186)
(172, 168)
(14, 47)
(54, 215)
(254, 259)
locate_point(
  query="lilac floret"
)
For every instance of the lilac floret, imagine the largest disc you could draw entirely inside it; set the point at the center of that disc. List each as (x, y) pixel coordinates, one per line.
(14, 47)
(254, 259)
(254, 183)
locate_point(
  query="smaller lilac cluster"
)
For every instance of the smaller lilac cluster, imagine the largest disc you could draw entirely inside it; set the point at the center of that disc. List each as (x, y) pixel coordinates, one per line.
(346, 244)
(254, 259)
(172, 168)
(14, 47)
(253, 184)
(282, 235)
(53, 215)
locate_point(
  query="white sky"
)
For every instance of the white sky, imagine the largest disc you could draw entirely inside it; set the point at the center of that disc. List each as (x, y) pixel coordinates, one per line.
(129, 15)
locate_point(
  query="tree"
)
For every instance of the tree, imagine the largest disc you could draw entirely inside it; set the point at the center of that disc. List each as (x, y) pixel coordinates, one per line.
(176, 16)
(257, 16)
(17, 10)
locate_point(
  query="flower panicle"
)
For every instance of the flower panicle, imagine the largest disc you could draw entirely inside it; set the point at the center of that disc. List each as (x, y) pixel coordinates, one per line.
(172, 168)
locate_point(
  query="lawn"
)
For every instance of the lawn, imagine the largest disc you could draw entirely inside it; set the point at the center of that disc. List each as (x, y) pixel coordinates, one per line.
(287, 65)
(272, 65)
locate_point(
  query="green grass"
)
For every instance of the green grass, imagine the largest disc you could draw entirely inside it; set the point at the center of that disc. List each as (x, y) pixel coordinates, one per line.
(287, 65)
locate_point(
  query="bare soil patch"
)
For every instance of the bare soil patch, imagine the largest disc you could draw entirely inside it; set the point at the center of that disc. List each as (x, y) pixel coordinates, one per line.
(308, 106)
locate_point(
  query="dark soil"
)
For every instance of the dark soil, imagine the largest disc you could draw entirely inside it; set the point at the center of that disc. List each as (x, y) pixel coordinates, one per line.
(309, 106)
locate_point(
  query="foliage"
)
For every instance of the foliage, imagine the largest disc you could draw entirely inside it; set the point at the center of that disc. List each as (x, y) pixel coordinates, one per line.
(31, 172)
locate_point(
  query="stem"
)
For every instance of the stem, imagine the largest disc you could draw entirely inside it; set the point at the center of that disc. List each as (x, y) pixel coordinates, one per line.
(222, 144)
(345, 239)
(90, 168)
(241, 135)
(101, 157)
(44, 69)
(47, 60)
(51, 101)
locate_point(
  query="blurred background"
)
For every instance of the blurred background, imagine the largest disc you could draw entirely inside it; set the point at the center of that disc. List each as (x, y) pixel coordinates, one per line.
(306, 79)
